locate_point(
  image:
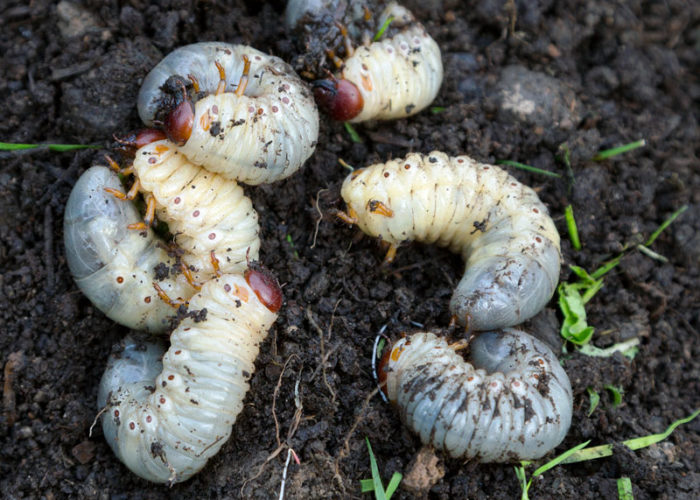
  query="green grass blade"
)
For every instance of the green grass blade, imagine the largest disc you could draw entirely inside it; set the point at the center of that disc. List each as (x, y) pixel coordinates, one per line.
(376, 478)
(383, 28)
(571, 226)
(665, 224)
(367, 485)
(10, 146)
(605, 268)
(624, 489)
(436, 110)
(609, 153)
(393, 484)
(633, 444)
(354, 136)
(522, 479)
(561, 458)
(594, 400)
(529, 168)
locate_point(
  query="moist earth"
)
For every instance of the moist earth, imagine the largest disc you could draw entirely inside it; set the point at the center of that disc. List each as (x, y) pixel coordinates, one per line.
(528, 81)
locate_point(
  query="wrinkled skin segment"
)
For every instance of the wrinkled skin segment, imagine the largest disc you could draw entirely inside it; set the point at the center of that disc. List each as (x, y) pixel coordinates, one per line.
(510, 400)
(115, 267)
(500, 227)
(165, 418)
(262, 136)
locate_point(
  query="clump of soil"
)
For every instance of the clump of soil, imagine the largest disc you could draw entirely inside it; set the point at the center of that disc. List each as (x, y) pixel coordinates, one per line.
(522, 79)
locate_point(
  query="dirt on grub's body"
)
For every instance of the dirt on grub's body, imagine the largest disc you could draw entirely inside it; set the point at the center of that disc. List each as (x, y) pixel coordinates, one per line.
(609, 73)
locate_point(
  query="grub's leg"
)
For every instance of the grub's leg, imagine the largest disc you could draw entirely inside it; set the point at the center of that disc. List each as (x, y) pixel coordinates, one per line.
(367, 12)
(215, 264)
(174, 303)
(187, 273)
(128, 196)
(149, 217)
(377, 207)
(337, 61)
(195, 82)
(115, 166)
(467, 323)
(222, 79)
(243, 83)
(460, 344)
(349, 49)
(390, 254)
(349, 218)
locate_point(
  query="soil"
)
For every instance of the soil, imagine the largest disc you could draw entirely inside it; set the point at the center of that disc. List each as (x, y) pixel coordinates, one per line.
(601, 74)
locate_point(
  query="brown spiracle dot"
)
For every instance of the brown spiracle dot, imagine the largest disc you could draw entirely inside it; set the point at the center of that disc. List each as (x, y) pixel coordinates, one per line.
(177, 200)
(178, 352)
(120, 279)
(407, 166)
(162, 400)
(538, 239)
(171, 377)
(212, 236)
(227, 287)
(148, 419)
(535, 210)
(132, 426)
(275, 109)
(116, 413)
(195, 213)
(386, 174)
(147, 300)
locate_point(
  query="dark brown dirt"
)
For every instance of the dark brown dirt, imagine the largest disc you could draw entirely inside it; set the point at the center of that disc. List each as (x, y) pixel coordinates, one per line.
(607, 72)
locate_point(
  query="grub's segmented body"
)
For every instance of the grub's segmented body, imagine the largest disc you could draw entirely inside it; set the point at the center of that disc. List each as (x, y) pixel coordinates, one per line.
(116, 267)
(501, 228)
(399, 76)
(511, 402)
(165, 420)
(395, 77)
(204, 212)
(262, 136)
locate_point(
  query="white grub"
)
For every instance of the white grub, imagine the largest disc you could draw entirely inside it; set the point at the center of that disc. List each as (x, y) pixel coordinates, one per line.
(498, 225)
(115, 267)
(262, 136)
(165, 419)
(510, 401)
(397, 76)
(204, 211)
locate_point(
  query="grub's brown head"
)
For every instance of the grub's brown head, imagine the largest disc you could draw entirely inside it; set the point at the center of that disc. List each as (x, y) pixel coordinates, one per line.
(266, 288)
(177, 110)
(340, 99)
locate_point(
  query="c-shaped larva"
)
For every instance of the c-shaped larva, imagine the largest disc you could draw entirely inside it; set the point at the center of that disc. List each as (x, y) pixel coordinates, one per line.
(500, 227)
(165, 422)
(392, 78)
(205, 212)
(512, 401)
(115, 267)
(254, 121)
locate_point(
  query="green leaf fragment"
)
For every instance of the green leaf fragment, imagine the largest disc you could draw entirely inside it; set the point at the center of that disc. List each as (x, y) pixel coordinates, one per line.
(616, 394)
(383, 28)
(571, 226)
(354, 136)
(624, 489)
(606, 450)
(594, 398)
